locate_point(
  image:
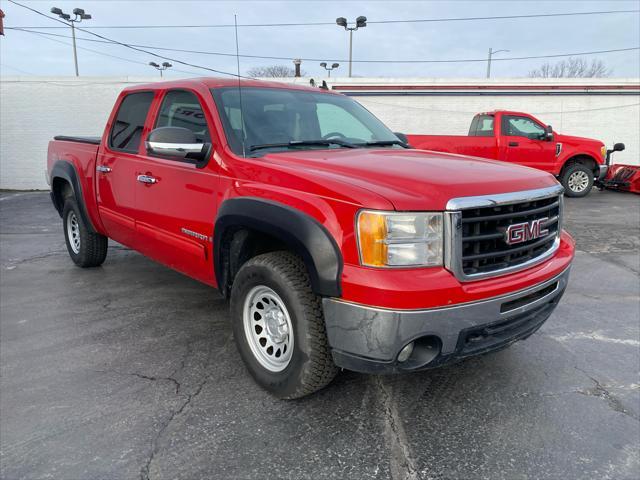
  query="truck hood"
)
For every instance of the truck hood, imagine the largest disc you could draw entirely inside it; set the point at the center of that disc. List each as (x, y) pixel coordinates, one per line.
(412, 179)
(559, 137)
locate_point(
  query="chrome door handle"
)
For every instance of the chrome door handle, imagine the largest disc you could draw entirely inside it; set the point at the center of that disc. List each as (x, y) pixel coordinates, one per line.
(147, 179)
(103, 169)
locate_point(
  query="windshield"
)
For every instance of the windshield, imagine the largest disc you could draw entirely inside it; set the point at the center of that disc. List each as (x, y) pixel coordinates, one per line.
(279, 119)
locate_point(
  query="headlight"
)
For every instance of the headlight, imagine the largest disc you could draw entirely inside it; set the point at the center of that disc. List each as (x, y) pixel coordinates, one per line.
(399, 239)
(603, 151)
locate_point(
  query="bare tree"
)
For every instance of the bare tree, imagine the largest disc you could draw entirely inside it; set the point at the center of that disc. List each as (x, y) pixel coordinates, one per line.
(272, 71)
(572, 67)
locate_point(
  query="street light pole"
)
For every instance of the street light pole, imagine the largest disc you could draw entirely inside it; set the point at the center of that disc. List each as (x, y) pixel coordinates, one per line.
(361, 22)
(79, 15)
(491, 53)
(75, 52)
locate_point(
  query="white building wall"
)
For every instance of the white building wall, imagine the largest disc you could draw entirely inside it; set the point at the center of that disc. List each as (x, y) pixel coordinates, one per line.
(34, 109)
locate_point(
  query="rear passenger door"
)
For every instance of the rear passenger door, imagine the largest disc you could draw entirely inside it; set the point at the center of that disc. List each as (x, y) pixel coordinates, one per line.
(175, 214)
(116, 166)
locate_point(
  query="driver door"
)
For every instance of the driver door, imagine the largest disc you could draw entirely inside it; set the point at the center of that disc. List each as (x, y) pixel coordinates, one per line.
(525, 144)
(176, 197)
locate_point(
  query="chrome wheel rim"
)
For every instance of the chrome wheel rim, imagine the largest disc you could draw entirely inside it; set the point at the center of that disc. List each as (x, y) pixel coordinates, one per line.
(578, 181)
(73, 232)
(268, 328)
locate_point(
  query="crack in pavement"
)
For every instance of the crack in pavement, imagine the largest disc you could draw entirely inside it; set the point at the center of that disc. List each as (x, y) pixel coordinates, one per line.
(600, 391)
(144, 473)
(402, 463)
(145, 377)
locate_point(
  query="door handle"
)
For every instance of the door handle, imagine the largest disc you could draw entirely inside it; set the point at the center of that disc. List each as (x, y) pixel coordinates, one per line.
(148, 179)
(103, 169)
(513, 144)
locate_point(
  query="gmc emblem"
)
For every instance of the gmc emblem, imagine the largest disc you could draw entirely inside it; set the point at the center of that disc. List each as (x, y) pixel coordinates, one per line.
(523, 232)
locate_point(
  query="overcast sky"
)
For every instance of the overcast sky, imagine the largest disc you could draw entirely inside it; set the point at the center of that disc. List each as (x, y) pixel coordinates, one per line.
(25, 53)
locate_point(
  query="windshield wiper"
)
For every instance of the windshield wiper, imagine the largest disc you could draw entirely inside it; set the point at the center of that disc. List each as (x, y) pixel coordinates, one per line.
(302, 143)
(384, 143)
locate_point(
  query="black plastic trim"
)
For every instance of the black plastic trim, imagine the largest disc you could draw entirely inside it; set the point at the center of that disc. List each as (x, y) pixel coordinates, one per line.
(90, 140)
(65, 170)
(302, 233)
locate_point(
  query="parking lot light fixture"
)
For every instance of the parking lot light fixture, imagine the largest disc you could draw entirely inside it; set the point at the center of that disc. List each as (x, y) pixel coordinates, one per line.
(79, 15)
(162, 67)
(328, 69)
(361, 22)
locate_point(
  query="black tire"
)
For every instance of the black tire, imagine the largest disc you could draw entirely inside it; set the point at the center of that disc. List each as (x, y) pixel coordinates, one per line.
(92, 248)
(573, 188)
(311, 366)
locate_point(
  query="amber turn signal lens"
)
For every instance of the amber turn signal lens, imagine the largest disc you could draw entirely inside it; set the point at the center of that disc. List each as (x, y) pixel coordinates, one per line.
(372, 231)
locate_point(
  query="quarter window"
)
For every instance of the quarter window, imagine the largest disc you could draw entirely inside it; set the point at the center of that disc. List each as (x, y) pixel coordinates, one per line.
(181, 108)
(481, 126)
(126, 131)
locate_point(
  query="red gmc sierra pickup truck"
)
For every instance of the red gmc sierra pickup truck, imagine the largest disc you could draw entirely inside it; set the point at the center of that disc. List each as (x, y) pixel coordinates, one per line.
(520, 138)
(337, 245)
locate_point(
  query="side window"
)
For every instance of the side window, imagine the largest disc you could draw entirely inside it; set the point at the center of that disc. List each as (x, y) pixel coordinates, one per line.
(481, 126)
(332, 118)
(126, 131)
(522, 127)
(181, 108)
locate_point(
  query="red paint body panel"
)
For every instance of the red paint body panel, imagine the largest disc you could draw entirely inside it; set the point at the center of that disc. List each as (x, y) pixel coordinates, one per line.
(539, 154)
(330, 186)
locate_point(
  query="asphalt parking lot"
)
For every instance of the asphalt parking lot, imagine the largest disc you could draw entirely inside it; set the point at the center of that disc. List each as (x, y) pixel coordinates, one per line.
(130, 371)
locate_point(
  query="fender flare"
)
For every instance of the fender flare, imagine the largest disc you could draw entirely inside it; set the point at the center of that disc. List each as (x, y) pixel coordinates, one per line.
(302, 233)
(66, 171)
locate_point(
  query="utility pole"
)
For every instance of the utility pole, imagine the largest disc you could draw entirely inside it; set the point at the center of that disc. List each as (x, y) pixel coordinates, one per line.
(491, 53)
(79, 15)
(361, 22)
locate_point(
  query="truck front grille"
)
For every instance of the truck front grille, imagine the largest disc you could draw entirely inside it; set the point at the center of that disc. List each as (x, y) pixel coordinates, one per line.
(479, 233)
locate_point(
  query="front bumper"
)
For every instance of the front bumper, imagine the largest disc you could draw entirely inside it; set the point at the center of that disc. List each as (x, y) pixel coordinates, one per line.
(369, 339)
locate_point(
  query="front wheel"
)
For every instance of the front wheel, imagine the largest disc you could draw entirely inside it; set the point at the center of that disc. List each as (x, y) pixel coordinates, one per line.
(577, 180)
(278, 325)
(86, 248)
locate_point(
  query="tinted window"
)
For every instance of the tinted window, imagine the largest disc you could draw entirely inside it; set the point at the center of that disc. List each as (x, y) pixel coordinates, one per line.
(522, 127)
(182, 109)
(481, 126)
(278, 116)
(127, 128)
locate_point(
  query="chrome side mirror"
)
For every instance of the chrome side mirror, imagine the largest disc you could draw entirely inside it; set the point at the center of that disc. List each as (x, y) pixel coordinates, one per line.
(176, 142)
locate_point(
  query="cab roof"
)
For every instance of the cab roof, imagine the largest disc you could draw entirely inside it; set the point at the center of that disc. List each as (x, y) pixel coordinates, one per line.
(216, 82)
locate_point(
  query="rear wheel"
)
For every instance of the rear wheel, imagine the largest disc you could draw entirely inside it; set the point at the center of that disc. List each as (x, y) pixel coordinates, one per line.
(86, 248)
(577, 180)
(278, 326)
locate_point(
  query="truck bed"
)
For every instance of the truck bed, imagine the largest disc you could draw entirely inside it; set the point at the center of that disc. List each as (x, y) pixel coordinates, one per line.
(485, 147)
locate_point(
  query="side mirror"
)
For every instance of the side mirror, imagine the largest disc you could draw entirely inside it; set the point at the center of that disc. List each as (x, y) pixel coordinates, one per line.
(177, 142)
(402, 137)
(618, 147)
(548, 133)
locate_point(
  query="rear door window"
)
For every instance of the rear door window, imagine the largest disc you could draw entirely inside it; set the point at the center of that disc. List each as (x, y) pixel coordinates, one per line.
(126, 131)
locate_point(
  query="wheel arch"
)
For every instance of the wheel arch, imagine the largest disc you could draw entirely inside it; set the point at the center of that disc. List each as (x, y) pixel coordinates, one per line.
(64, 182)
(581, 158)
(248, 226)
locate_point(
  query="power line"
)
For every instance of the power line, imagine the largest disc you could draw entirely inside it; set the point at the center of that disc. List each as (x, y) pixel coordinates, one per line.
(125, 44)
(98, 52)
(268, 57)
(313, 24)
